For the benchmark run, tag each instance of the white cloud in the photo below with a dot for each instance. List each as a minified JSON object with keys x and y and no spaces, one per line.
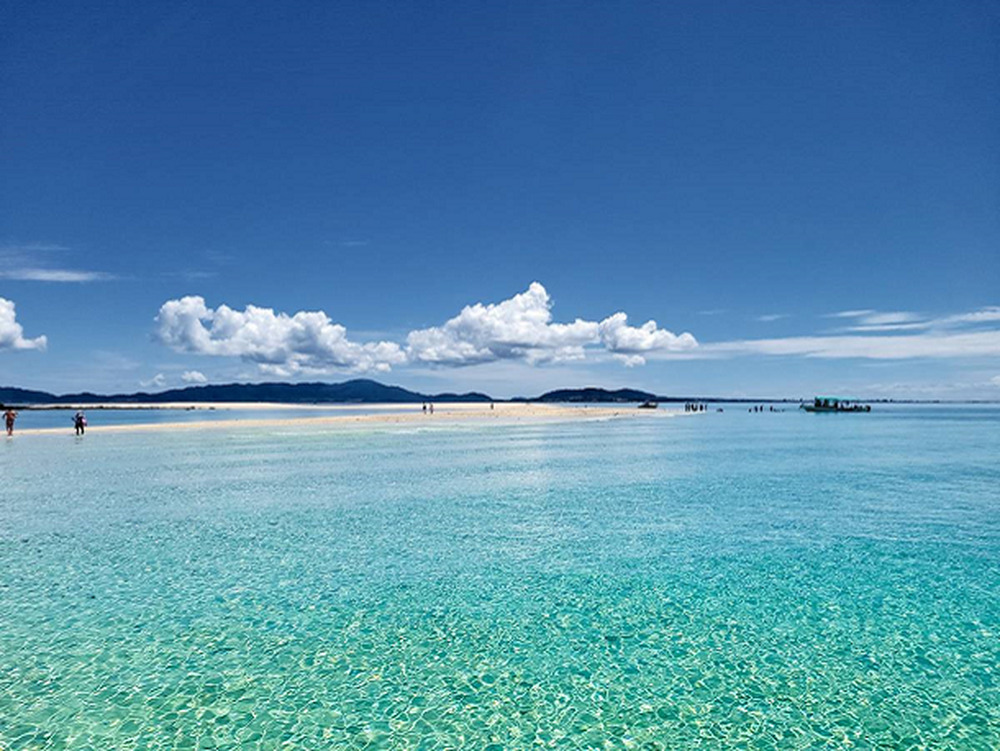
{"x":12,"y":333}
{"x":995,"y":380}
{"x":280,"y":344}
{"x":21,"y":248}
{"x":630,"y":361}
{"x":768,"y":318}
{"x":55,"y":275}
{"x":889,"y":319}
{"x":519,"y":328}
{"x":850,"y":314}
{"x":927,"y":344}
{"x":193,"y":376}
{"x":873,"y":321}
{"x":886,"y":327}
{"x":630,"y":343}
{"x":156,"y":382}
{"x":989,"y":314}
{"x":32,"y":262}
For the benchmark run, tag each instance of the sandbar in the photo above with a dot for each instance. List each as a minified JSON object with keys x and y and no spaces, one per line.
{"x":384,"y":414}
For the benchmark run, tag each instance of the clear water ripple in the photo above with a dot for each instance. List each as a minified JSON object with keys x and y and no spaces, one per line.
{"x":758,"y":581}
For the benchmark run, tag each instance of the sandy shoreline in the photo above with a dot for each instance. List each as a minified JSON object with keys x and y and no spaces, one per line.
{"x":243,"y":406}
{"x":395,"y":414}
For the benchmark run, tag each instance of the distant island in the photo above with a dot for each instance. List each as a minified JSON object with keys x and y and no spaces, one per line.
{"x":356,"y":391}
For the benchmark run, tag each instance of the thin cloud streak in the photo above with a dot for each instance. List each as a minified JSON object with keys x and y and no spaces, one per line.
{"x":849,"y":314}
{"x":878,"y":336}
{"x":905,"y":321}
{"x":16,"y":248}
{"x":71,"y":276}
{"x":29,"y":262}
{"x":964,"y":344}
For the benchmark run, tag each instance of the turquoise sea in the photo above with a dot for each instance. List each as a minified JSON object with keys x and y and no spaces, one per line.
{"x":721,"y":580}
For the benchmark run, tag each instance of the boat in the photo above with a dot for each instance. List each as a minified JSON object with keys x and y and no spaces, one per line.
{"x":835,"y":404}
{"x":648,"y":405}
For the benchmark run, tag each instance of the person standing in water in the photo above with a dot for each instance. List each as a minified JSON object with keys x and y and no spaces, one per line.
{"x":9,"y":416}
{"x":80,"y":422}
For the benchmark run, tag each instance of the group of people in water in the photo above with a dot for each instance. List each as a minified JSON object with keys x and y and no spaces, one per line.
{"x":429,"y":407}
{"x":10,"y":416}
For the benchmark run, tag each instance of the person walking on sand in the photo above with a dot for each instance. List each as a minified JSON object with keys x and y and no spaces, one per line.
{"x":80,"y":422}
{"x":9,"y":416}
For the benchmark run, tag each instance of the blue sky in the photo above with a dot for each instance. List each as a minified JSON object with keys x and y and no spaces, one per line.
{"x":365,"y":174}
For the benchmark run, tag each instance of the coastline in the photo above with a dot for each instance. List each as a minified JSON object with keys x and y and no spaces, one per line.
{"x":392,"y":414}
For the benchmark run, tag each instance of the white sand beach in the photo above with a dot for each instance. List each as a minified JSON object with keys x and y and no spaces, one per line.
{"x":385,"y":414}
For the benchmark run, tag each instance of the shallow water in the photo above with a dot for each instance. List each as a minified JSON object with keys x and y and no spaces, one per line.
{"x":772,"y":580}
{"x":63,"y":418}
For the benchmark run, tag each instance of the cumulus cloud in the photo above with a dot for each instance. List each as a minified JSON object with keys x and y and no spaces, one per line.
{"x":193,"y":376}
{"x":12,"y":333}
{"x":280,"y":344}
{"x":519,"y":328}
{"x":630,"y":344}
{"x":995,"y":380}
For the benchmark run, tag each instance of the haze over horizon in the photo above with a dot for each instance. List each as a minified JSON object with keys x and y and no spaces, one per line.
{"x":712,"y":199}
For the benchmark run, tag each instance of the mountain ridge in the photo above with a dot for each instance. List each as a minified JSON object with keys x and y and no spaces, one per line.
{"x":356,"y":391}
